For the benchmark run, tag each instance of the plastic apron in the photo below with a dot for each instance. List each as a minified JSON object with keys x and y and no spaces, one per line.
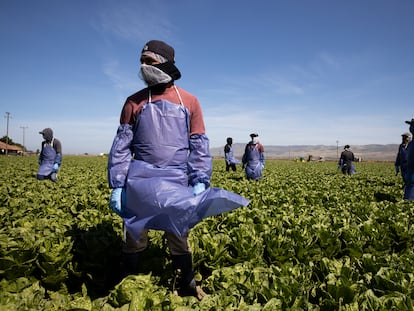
{"x":230,"y":159}
{"x":48,"y":156}
{"x":254,"y":167}
{"x":157,"y":192}
{"x":409,"y":186}
{"x":403,"y":153}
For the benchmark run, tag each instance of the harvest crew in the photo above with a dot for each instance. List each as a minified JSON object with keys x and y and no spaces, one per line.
{"x":409,"y":186}
{"x":253,"y":158}
{"x":50,"y":157}
{"x":160,"y":167}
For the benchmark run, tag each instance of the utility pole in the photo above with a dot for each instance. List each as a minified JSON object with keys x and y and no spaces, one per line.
{"x":7,"y":116}
{"x":24,"y":128}
{"x":337,"y":150}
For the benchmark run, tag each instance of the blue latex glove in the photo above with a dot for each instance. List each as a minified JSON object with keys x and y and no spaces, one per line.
{"x":55,"y":167}
{"x":198,"y":188}
{"x":117,"y":200}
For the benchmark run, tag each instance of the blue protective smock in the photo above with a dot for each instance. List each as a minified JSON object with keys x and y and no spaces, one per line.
{"x":409,"y":186}
{"x":254,"y":160}
{"x":229,"y":157}
{"x":47,"y":160}
{"x":158,"y":163}
{"x":402,"y":161}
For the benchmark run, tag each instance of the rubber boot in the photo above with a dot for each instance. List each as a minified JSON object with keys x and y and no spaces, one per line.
{"x":130,"y":263}
{"x":53,"y":177}
{"x":183,"y":267}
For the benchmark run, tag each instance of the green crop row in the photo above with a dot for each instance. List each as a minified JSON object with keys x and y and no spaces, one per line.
{"x":310,"y":239}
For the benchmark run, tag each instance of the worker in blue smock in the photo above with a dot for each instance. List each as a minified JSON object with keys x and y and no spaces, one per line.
{"x":409,"y":186}
{"x":231,"y":161}
{"x":159,"y":167}
{"x":253,"y":158}
{"x":50,"y":157}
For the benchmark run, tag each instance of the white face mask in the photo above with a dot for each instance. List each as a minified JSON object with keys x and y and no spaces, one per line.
{"x":152,"y":75}
{"x":256,"y":140}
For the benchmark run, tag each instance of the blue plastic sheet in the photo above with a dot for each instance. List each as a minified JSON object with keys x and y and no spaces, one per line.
{"x":154,"y":203}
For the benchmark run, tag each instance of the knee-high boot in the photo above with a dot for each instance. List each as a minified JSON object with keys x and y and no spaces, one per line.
{"x":183,"y":267}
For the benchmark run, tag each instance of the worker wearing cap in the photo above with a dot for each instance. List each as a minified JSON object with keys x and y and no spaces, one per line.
{"x":345,"y":161}
{"x":50,"y":157}
{"x":401,"y":162}
{"x":409,"y":186}
{"x":159,"y":167}
{"x":253,"y":158}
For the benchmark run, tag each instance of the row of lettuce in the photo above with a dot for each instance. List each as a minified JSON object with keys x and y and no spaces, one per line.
{"x":311,"y":239}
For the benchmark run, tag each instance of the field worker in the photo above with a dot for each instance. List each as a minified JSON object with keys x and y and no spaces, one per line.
{"x":50,"y":157}
{"x":159,"y":167}
{"x":253,"y":158}
{"x":345,"y":161}
{"x":231,"y":161}
{"x":409,"y":186}
{"x":401,"y":161}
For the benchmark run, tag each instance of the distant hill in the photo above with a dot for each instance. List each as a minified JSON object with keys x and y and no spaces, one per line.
{"x":329,"y":153}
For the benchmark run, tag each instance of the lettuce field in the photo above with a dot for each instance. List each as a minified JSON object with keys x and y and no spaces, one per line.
{"x":310,"y":239}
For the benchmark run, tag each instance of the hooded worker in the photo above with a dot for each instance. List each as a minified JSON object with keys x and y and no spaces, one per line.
{"x":50,"y":157}
{"x":229,"y":157}
{"x":159,"y":166}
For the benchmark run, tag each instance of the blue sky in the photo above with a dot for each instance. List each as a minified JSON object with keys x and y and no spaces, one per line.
{"x":298,"y":72}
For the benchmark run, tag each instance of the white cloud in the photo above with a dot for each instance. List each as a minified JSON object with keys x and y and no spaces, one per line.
{"x":122,"y":80}
{"x":135,"y":21}
{"x":329,"y":59}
